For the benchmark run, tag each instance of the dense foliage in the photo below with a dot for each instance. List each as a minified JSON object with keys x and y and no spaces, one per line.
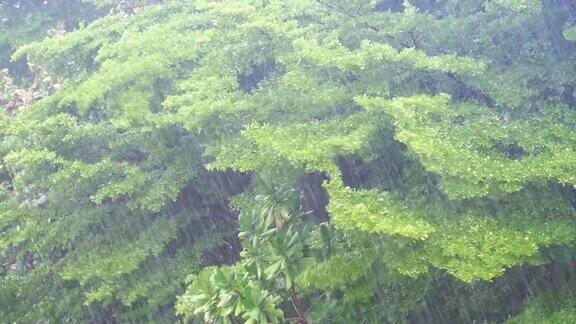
{"x":288,"y":160}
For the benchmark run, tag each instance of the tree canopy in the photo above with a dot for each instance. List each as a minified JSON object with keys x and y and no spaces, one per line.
{"x":265,"y":161}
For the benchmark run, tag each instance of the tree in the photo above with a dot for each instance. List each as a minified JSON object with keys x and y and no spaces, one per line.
{"x":311,"y":160}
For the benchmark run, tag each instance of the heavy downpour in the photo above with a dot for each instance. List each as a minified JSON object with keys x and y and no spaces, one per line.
{"x":288,"y":161}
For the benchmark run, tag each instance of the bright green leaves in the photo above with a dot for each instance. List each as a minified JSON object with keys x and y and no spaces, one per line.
{"x":161,"y":276}
{"x":314,"y":146}
{"x":371,"y":211}
{"x":108,"y":265}
{"x":210,"y":94}
{"x":72,"y":53}
{"x":332,"y":53}
{"x":150,"y":190}
{"x":338,"y":270}
{"x":218,"y":293}
{"x":471,"y":246}
{"x":476,"y":248}
{"x":135,"y":172}
{"x":478,"y":151}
